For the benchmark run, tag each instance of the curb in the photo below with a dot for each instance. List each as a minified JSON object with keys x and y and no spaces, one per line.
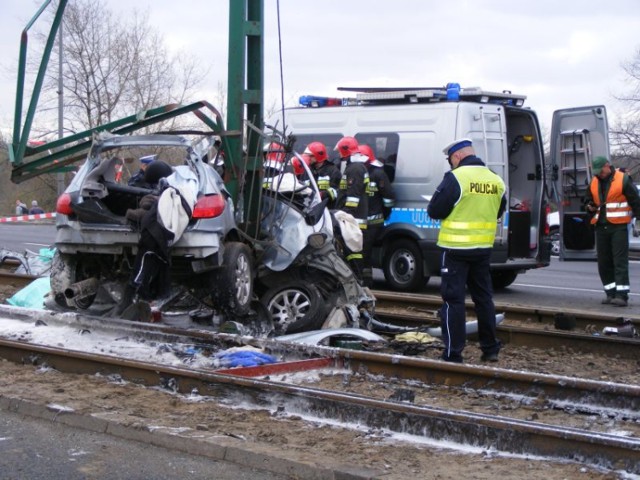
{"x":192,"y":442}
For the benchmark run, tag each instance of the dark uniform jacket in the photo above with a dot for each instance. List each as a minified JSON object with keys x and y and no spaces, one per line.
{"x":381,"y":195}
{"x":327,"y":176}
{"x":353,"y":197}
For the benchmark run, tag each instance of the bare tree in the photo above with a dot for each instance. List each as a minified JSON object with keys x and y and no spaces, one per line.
{"x":626,"y":131}
{"x":114,"y":66}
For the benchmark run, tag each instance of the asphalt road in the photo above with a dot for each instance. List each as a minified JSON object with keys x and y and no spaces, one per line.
{"x":37,"y":449}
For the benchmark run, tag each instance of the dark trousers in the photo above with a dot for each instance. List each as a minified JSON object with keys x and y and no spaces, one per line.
{"x":462,"y":269}
{"x":612,"y":245}
{"x":368,"y":239}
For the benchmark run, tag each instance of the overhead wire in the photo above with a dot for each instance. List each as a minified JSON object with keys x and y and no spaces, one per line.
{"x":280,"y":61}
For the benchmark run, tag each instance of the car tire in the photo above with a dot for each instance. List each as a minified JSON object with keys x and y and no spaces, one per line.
{"x":63,"y":274}
{"x":232,"y":283}
{"x":503,"y":278}
{"x":294,"y":307}
{"x":403,"y":266}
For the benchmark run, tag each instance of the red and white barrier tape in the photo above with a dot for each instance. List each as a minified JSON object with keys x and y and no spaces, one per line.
{"x":26,"y":218}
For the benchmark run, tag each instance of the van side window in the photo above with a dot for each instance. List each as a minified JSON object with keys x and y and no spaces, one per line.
{"x":385,"y":146}
{"x":328,"y":139}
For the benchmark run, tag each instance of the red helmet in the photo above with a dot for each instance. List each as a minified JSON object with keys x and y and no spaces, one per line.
{"x":318,"y":150}
{"x":368,"y":151}
{"x":346,"y":146}
{"x":274,"y":152}
{"x":298,"y":169}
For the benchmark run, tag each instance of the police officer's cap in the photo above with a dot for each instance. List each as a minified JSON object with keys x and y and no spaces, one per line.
{"x":456,"y":145}
{"x":148,"y":159}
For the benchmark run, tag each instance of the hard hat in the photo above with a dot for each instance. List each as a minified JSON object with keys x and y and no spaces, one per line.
{"x":274,"y":152}
{"x":318,"y":150}
{"x":298,"y":169}
{"x":368,"y":152}
{"x":346,"y":146}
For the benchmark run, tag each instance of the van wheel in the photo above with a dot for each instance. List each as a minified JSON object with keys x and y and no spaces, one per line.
{"x":402,"y":266}
{"x":294,"y":307}
{"x":232,"y":283}
{"x":503,"y":278}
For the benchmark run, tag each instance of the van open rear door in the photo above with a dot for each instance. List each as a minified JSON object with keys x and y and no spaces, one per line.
{"x":578,"y":135}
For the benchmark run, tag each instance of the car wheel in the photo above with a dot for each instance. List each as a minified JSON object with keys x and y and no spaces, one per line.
{"x":294,"y":307}
{"x":402,"y":266}
{"x":63,"y":274}
{"x":232,"y":283}
{"x":503,"y":278}
{"x":554,"y":238}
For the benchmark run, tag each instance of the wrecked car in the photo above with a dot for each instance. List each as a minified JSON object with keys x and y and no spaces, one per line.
{"x":97,"y":239}
{"x":302,"y":279}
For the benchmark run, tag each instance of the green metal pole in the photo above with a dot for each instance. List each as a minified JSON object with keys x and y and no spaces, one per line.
{"x":20,"y":144}
{"x":245,"y":96}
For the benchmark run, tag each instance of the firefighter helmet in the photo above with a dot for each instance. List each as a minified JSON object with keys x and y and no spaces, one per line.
{"x":274,"y":152}
{"x":346,"y":146}
{"x":368,"y":152}
{"x":298,"y":169}
{"x":318,"y":150}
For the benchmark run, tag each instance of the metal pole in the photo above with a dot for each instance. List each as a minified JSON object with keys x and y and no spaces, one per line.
{"x":60,"y":105}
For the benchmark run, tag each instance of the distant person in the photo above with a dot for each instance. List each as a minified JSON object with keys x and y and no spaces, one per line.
{"x":21,"y":208}
{"x":35,"y":209}
{"x":468,"y":201}
{"x":613,"y":200}
{"x":137,"y":180}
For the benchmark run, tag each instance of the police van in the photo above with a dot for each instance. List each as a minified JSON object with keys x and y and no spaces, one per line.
{"x":407,"y":130}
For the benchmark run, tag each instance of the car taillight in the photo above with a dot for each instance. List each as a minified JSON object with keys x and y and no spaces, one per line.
{"x":209,"y":206}
{"x":63,"y":205}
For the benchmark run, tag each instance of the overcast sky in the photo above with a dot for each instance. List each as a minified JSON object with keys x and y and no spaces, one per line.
{"x":560,"y":53}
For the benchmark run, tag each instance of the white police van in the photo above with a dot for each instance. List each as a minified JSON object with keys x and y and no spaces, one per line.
{"x":407,"y":130}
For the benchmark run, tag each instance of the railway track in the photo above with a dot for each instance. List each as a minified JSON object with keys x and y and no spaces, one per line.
{"x":538,"y":414}
{"x":523,"y":325}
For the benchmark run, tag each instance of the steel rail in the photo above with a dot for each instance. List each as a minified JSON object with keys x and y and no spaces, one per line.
{"x":481,"y":430}
{"x":429,"y":304}
{"x":552,"y":387}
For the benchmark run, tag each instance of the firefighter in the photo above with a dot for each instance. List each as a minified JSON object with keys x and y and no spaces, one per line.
{"x":326,"y":174}
{"x":468,"y":201}
{"x":381,"y":201}
{"x":613,"y":200}
{"x":352,"y":194}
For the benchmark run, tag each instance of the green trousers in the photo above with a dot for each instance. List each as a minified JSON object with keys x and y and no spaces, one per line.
{"x":612,"y":244}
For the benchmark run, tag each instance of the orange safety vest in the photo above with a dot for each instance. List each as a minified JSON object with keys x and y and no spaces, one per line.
{"x":617,"y":208}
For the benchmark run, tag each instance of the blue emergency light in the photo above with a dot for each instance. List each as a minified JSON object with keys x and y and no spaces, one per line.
{"x":314,"y":101}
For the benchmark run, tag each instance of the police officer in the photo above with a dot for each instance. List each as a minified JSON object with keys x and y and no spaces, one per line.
{"x":326,"y":174}
{"x":137,"y":179}
{"x":352,"y":194}
{"x":381,"y":201}
{"x":613,"y":200}
{"x":469,"y":201}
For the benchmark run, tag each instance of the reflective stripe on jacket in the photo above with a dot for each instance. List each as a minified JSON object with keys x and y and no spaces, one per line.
{"x":472,"y":222}
{"x":616,"y":207}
